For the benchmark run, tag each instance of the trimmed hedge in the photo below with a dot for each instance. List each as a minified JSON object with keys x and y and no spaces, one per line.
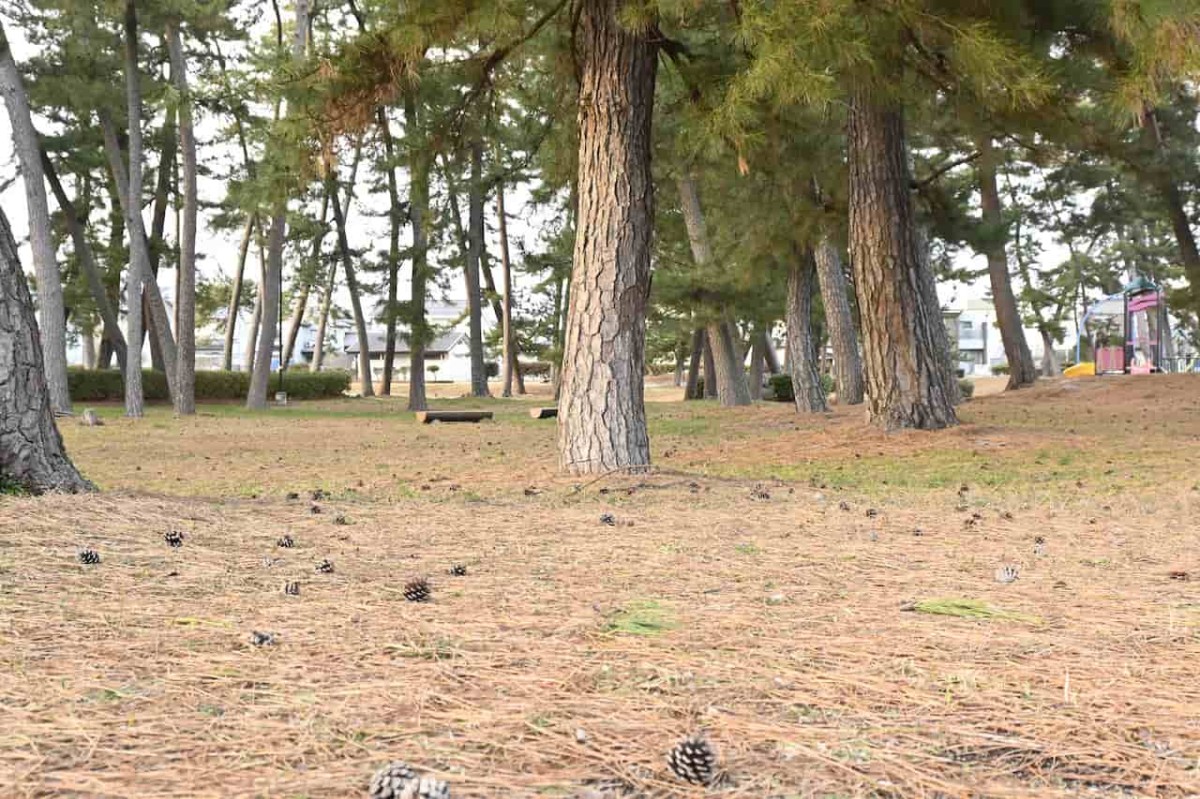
{"x":966,"y":388}
{"x":781,"y":387}
{"x":99,"y":385}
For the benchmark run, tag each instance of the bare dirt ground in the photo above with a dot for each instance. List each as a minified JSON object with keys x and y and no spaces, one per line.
{"x":775,"y":583}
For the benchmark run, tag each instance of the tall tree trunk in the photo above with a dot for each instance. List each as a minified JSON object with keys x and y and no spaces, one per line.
{"x":272,"y":289}
{"x":602,"y":413}
{"x":139,"y":261}
{"x":1021,"y":369}
{"x":395,"y":220}
{"x":318,"y":360}
{"x":731,"y":385}
{"x":163,"y":348}
{"x":185,"y":300}
{"x":1050,"y":367}
{"x":360,"y":321}
{"x":556,"y":336}
{"x":418,"y":327}
{"x":87,"y":343}
{"x":235,"y":294}
{"x":87,"y":260}
{"x":691,"y":389}
{"x":906,"y":372}
{"x":847,"y":365}
{"x":769,"y":355}
{"x":479,"y":382}
{"x":45,"y":262}
{"x":31,"y":450}
{"x":802,"y":347}
{"x":304,"y":288}
{"x":710,"y":369}
{"x":506,"y":328}
{"x":757,"y":359}
{"x":1189,"y":254}
{"x":250,"y":346}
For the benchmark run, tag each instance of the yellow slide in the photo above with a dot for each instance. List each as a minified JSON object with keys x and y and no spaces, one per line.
{"x":1080,"y":370}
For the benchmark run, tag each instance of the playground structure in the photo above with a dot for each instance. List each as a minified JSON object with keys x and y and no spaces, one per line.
{"x":1129,"y":332}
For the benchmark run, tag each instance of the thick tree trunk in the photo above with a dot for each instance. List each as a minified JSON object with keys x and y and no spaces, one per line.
{"x":801,"y":345}
{"x":710,"y":369}
{"x":31,"y":450}
{"x":235,"y":295}
{"x":602,"y":413}
{"x":757,"y":360}
{"x":318,"y":360}
{"x":506,"y":328}
{"x":45,"y":262}
{"x":906,"y":371}
{"x":691,"y":389}
{"x":479,"y":383}
{"x":1050,"y":365}
{"x":185,"y":300}
{"x":418,"y":326}
{"x":272,"y":289}
{"x":360,"y":320}
{"x":395,"y":220}
{"x":1021,"y":369}
{"x":87,"y":261}
{"x":847,"y":365}
{"x":731,"y":385}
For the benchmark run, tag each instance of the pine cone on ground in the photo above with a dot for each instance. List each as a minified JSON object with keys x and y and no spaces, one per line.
{"x":693,"y":760}
{"x":417,"y":590}
{"x":89,"y":557}
{"x":390,"y":780}
{"x":425,"y":788}
{"x":262,"y":639}
{"x":173,"y":538}
{"x":285,"y":542}
{"x":291,"y":588}
{"x":458,"y":570}
{"x":324,"y":567}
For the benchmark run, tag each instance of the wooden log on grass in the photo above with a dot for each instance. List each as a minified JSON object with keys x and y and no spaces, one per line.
{"x":543,"y":413}
{"x":429,"y":417}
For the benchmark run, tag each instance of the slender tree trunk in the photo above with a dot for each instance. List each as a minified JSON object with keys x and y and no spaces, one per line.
{"x":31,"y":450}
{"x":163,"y":348}
{"x":1050,"y":366}
{"x":87,"y":261}
{"x":906,"y":371}
{"x":139,"y":261}
{"x":730,"y":375}
{"x":710,"y":369}
{"x":847,"y":365}
{"x":479,"y":382}
{"x":691,"y":389}
{"x":602,"y":413}
{"x":185,"y":300}
{"x":45,"y":263}
{"x":1021,"y":369}
{"x":1189,"y":254}
{"x":360,"y":321}
{"x":87,"y":343}
{"x":769,"y":354}
{"x":418,"y":327}
{"x":395,"y":220}
{"x":235,"y":295}
{"x":250,"y":347}
{"x":304,"y":289}
{"x":802,"y":346}
{"x":757,"y":360}
{"x":318,"y":360}
{"x":506,"y":328}
{"x":556,"y":336}
{"x":272,"y":288}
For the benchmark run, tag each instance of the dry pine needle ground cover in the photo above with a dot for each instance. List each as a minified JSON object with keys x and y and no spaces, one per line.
{"x":780,"y":583}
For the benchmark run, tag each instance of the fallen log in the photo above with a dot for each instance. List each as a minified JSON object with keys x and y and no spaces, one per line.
{"x":429,"y":417}
{"x":543,"y":413}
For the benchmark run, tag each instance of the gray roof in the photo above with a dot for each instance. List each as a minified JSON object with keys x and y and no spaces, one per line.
{"x":378,"y":341}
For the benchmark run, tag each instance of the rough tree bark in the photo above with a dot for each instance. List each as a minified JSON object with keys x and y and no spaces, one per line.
{"x":360,"y":321}
{"x":506,"y":327}
{"x":731,"y":385}
{"x":757,"y":361}
{"x":185,"y":302}
{"x":802,"y":347}
{"x":906,"y":372}
{"x":602,"y":413}
{"x":1050,"y":367}
{"x":691,"y":389}
{"x":31,"y":450}
{"x":710,"y":369}
{"x":235,"y":294}
{"x":479,"y":382}
{"x":139,"y":261}
{"x":87,"y":260}
{"x":847,"y":364}
{"x":45,"y":262}
{"x":1021,"y":369}
{"x":418,"y":327}
{"x":769,"y":353}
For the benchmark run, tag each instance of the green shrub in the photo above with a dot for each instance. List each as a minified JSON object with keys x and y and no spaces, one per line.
{"x":966,"y":388}
{"x":535,"y":368}
{"x":1000,"y":369}
{"x":100,"y":385}
{"x":781,"y":387}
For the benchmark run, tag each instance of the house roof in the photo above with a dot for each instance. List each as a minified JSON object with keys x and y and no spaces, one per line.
{"x":442,"y":343}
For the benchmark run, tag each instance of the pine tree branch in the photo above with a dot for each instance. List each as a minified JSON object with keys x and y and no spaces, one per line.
{"x":937,"y":173}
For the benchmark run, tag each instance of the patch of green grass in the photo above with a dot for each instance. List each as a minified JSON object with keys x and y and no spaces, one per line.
{"x":643,"y":617}
{"x":10,"y":487}
{"x":970,"y":609}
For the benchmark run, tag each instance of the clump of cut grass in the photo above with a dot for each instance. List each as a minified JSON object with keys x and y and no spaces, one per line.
{"x":644,"y":617}
{"x":968,"y":609}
